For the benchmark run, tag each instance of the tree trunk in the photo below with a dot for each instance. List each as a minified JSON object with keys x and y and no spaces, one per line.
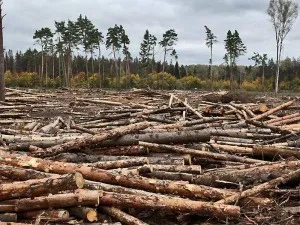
{"x":122,"y":216}
{"x":79,"y":198}
{"x":180,"y":137}
{"x":95,"y":139}
{"x":92,"y":59}
{"x":33,"y":188}
{"x":99,"y":69}
{"x":87,"y":70}
{"x":164,"y":64}
{"x":42,"y":68}
{"x":169,"y":204}
{"x":263,"y":77}
{"x":2,"y":82}
{"x":278,"y":51}
{"x":46,"y":70}
{"x":85,"y":213}
{"x":211,"y":71}
{"x":91,"y":173}
{"x":54,"y":216}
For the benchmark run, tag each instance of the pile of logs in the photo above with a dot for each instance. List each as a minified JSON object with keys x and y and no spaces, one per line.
{"x":145,"y":157}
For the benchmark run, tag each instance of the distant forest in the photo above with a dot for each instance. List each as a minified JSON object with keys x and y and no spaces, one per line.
{"x":71,"y":56}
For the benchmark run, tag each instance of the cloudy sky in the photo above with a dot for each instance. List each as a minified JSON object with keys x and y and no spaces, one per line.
{"x":187,"y":17}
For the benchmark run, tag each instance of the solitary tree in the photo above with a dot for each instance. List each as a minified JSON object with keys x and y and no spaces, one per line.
{"x":211,"y":39}
{"x":86,"y":31}
{"x":169,"y":40}
{"x":234,"y":48}
{"x":145,"y":50}
{"x":283,"y":13}
{"x":69,"y":39}
{"x":2,"y":85}
{"x":260,"y":60}
{"x":43,"y":38}
{"x":114,"y":42}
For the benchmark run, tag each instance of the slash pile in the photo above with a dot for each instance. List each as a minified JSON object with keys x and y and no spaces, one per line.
{"x":146,"y":157}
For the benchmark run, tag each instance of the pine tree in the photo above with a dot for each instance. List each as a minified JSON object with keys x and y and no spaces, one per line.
{"x":114,"y":42}
{"x":167,"y":43}
{"x":211,"y":39}
{"x":2,"y":84}
{"x":234,"y":48}
{"x":43,"y":38}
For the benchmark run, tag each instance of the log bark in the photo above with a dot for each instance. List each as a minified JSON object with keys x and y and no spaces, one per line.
{"x":271,"y":111}
{"x":193,"y":169}
{"x":204,"y":154}
{"x":80,"y":197}
{"x":168,"y":205}
{"x":279,"y":119}
{"x":294,"y":175}
{"x":33,"y":188}
{"x":54,"y":215}
{"x":175,"y":188}
{"x":86,"y":213}
{"x":122,"y":216}
{"x":120,"y":163}
{"x":162,"y":175}
{"x":273,"y":151}
{"x":247,"y":176}
{"x":91,"y":141}
{"x":8,"y":217}
{"x":180,"y":137}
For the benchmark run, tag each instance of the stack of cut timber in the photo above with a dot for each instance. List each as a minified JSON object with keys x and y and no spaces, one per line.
{"x":147,"y":157}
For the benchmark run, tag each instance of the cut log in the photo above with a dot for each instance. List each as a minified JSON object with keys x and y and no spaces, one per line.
{"x":120,"y":163}
{"x":33,"y":188}
{"x":91,"y":141}
{"x":204,"y":154}
{"x":188,"y":107}
{"x":99,"y":101}
{"x":180,"y":137}
{"x":247,"y":176}
{"x":56,"y":216}
{"x":294,"y":175}
{"x":271,"y":111}
{"x":85,"y":213}
{"x":194,"y":169}
{"x":274,"y":151}
{"x":80,"y":197}
{"x":168,"y":205}
{"x":175,"y":188}
{"x":162,"y":175}
{"x":122,"y":216}
{"x":8,"y":217}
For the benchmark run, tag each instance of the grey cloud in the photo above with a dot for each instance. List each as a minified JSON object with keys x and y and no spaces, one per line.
{"x":187,"y":17}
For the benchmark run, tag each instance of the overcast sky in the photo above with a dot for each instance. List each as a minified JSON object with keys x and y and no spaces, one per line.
{"x":187,"y":17}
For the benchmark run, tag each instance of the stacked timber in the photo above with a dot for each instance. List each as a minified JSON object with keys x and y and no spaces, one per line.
{"x":147,"y":157}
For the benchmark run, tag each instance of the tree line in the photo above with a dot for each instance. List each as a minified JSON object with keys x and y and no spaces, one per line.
{"x":75,"y":46}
